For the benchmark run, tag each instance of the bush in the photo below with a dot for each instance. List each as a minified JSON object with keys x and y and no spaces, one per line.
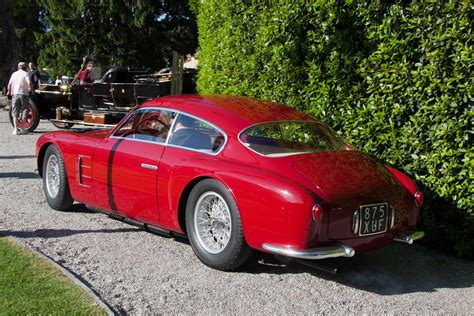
{"x":393,"y":77}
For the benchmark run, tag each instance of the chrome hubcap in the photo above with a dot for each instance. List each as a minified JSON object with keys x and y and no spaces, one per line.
{"x":52,"y":176}
{"x":212,"y":222}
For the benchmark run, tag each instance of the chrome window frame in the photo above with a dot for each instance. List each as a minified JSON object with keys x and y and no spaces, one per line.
{"x":166,"y":142}
{"x":193,"y":149}
{"x":285,"y":121}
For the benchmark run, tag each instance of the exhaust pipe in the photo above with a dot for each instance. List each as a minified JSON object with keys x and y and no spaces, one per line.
{"x":409,"y":238}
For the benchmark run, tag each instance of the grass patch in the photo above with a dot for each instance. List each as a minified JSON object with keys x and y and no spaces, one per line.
{"x":31,"y":285}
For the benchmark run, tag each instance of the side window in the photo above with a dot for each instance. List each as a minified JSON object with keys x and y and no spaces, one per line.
{"x":147,"y":124}
{"x":192,"y":133}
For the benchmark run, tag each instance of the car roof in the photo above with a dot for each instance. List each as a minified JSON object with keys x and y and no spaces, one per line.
{"x":230,"y":112}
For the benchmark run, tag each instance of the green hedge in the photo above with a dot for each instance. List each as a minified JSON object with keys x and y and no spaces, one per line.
{"x":395,"y":78}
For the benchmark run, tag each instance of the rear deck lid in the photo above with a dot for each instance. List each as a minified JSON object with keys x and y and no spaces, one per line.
{"x":346,"y":173}
{"x":349,"y":180}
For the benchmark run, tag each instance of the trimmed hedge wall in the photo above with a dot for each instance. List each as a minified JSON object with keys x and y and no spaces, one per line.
{"x":395,"y":78}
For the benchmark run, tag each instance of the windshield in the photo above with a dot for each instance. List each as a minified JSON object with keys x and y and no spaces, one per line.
{"x":276,"y":139}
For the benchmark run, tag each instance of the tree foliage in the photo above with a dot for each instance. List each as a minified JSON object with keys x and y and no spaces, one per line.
{"x":27,"y":15}
{"x":395,"y":78}
{"x":18,"y":26}
{"x":115,"y":33}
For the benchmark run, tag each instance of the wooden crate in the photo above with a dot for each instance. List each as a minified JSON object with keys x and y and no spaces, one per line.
{"x":98,"y":118}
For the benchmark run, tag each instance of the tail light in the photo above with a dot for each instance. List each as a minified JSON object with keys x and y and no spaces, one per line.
{"x":418,"y":199}
{"x":317,"y":212}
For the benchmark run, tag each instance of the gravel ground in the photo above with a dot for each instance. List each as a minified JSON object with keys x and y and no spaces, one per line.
{"x":139,"y":273}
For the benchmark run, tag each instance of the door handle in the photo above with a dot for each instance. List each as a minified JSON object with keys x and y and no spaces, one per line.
{"x":148,"y":166}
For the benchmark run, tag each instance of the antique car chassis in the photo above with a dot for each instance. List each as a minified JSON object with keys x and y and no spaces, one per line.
{"x":103,"y":103}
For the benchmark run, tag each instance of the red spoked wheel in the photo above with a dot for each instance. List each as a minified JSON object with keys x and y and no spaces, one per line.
{"x":28,"y":120}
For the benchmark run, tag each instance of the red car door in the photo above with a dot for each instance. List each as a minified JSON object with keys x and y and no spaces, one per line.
{"x":125,"y":166}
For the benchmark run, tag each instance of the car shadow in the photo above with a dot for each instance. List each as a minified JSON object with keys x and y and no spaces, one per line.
{"x":79,"y":208}
{"x":58,"y":233}
{"x":17,"y":157}
{"x":38,"y":132}
{"x":393,"y":270}
{"x":19,"y":175}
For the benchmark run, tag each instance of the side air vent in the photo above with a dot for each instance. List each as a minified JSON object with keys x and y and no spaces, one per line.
{"x":84,"y":170}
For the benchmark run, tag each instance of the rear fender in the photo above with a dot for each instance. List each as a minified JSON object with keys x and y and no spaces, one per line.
{"x":403,"y":179}
{"x":411,"y":187}
{"x":40,"y":157}
{"x":273,"y":209}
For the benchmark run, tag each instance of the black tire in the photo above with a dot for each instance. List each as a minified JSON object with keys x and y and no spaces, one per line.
{"x":33,"y":117}
{"x":236,"y":251}
{"x":61,"y":199}
{"x":62,"y":125}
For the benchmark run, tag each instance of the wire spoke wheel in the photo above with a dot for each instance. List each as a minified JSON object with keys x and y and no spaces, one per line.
{"x":212,"y":222}
{"x":55,"y":182}
{"x":52,"y":176}
{"x":214,"y":226}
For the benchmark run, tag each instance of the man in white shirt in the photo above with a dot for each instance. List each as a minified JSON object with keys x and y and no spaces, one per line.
{"x":18,"y":88}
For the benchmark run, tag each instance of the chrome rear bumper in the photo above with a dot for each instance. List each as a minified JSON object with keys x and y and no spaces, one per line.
{"x":337,"y":250}
{"x":409,"y":238}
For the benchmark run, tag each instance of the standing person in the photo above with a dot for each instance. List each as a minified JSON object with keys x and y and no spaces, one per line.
{"x":33,"y":75}
{"x":18,"y":88}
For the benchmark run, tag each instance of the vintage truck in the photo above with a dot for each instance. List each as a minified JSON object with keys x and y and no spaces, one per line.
{"x":103,"y":103}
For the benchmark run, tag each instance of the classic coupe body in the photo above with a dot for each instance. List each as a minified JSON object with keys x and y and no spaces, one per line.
{"x":233,"y":174}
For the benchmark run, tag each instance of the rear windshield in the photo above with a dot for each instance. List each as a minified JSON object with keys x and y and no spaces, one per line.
{"x":276,"y":139}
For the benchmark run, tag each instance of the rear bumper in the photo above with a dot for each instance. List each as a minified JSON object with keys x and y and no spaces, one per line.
{"x":409,"y":238}
{"x":333,"y":251}
{"x":337,"y":250}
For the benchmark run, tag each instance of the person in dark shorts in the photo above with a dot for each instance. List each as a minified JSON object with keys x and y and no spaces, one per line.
{"x":18,"y":88}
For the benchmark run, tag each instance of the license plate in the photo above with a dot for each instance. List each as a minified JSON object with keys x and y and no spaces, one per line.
{"x":373,"y":219}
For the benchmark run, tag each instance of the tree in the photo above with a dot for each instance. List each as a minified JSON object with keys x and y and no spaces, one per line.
{"x":18,"y":26}
{"x":28,"y":25}
{"x":116,"y":33}
{"x":7,"y":42}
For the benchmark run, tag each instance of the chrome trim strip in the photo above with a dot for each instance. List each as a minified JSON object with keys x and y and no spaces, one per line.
{"x":410,"y":238}
{"x":50,"y":92}
{"x":108,"y":126}
{"x":139,"y":140}
{"x":392,"y":216}
{"x":171,"y":130}
{"x":355,"y":222}
{"x":338,"y":250}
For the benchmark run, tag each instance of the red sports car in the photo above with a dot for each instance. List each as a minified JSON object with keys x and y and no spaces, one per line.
{"x":233,"y":174}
